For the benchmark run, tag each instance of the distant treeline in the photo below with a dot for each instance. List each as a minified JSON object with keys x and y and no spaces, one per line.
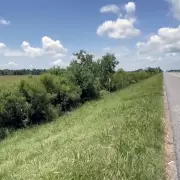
{"x":41,"y":71}
{"x":149,"y":69}
{"x":40,"y":99}
{"x":22,"y":72}
{"x":174,"y":70}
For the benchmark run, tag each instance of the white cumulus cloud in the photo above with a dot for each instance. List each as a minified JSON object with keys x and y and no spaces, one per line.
{"x":49,"y":47}
{"x":31,"y":51}
{"x":4,"y":22}
{"x":52,"y":46}
{"x":57,"y":62}
{"x":14,"y":53}
{"x":130,"y":7}
{"x":58,"y":55}
{"x":60,"y":62}
{"x":153,"y":59}
{"x":167,"y":40}
{"x":2,"y":45}
{"x":11,"y":63}
{"x":121,"y":28}
{"x":111,"y":8}
{"x":175,"y":8}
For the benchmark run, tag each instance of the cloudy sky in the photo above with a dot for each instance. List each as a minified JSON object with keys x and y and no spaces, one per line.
{"x":43,"y":33}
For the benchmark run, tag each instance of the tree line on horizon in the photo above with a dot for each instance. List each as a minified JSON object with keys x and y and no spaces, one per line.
{"x":4,"y":72}
{"x":174,"y":70}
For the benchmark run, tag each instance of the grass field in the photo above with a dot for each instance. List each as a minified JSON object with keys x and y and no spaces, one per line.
{"x":119,"y":137}
{"x":13,"y":78}
{"x":9,"y":81}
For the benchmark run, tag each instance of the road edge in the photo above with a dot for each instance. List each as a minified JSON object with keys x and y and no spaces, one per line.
{"x":170,"y":159}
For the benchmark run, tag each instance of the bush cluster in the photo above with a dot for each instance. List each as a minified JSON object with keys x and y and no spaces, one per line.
{"x":121,"y":79}
{"x":41,"y":99}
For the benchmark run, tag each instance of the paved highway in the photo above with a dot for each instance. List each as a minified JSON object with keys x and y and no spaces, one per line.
{"x":172,"y":85}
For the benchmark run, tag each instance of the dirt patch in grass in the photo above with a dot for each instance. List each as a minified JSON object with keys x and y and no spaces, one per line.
{"x":170,"y":160}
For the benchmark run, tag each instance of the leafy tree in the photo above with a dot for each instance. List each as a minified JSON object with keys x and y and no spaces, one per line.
{"x":84,"y":71}
{"x":107,"y":66}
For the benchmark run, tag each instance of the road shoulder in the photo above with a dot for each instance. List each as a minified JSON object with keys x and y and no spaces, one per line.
{"x":170,"y":160}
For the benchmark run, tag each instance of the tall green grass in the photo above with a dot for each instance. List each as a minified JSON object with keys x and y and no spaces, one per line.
{"x":119,"y":137}
{"x":10,"y":81}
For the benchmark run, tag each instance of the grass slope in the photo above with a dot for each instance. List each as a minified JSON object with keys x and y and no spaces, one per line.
{"x":117,"y":137}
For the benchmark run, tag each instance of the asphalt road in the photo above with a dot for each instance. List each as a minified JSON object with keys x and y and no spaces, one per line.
{"x":172,"y":85}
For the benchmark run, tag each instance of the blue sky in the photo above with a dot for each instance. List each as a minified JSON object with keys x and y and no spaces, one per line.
{"x":43,"y":33}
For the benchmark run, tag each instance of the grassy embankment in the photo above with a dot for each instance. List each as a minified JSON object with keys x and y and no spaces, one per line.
{"x":118,"y":137}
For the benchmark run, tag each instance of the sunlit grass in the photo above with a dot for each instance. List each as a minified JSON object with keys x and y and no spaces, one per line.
{"x":119,"y":137}
{"x":11,"y":81}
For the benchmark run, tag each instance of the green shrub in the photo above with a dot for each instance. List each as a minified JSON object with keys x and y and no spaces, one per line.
{"x":13,"y":110}
{"x":3,"y":133}
{"x":121,"y":79}
{"x":39,"y":101}
{"x":64,"y":93}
